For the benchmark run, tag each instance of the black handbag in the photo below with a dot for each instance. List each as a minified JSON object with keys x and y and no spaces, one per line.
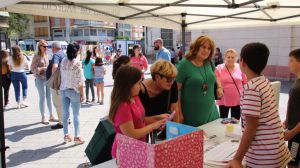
{"x":99,"y":148}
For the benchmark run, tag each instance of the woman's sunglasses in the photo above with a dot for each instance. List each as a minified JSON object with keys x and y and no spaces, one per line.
{"x":44,"y":46}
{"x":169,"y":79}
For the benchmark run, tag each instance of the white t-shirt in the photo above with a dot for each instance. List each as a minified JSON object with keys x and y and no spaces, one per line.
{"x":20,"y":68}
{"x":268,"y":148}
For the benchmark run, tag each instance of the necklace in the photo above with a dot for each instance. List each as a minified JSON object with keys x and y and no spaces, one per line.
{"x":204,"y":85}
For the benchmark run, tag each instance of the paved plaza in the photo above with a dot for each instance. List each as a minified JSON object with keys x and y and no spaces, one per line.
{"x":33,"y":144}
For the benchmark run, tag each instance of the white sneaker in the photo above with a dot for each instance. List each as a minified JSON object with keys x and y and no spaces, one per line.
{"x":24,"y":104}
{"x":18,"y":105}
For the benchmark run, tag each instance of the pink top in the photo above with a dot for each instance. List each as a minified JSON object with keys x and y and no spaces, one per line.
{"x":139,"y":62}
{"x":128,"y":111}
{"x":231,"y":96}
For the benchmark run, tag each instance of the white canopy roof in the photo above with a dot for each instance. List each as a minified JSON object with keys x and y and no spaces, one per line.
{"x":199,"y":14}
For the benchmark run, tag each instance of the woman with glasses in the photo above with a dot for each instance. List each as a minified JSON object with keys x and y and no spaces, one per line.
{"x":159,"y":95}
{"x":38,"y":67}
{"x":196,"y":80}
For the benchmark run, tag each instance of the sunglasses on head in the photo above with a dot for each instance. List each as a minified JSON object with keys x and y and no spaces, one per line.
{"x":169,"y":79}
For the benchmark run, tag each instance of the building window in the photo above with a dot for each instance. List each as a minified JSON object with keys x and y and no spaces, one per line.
{"x":93,"y":32}
{"x":41,"y":31}
{"x":38,"y":19}
{"x":120,"y":33}
{"x":101,"y":32}
{"x":127,"y":26}
{"x":86,"y":32}
{"x":58,"y":33}
{"x":56,"y":22}
{"x":77,"y":32}
{"x":167,"y":36}
{"x":110,"y":32}
{"x":128,"y":34}
{"x":136,"y":35}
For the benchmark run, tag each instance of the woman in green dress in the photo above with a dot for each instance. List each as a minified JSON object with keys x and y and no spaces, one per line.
{"x":196,"y":79}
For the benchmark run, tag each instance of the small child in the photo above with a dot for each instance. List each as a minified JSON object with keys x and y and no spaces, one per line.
{"x":263,"y":140}
{"x":126,"y":110}
{"x":293,"y":111}
{"x":99,"y":72}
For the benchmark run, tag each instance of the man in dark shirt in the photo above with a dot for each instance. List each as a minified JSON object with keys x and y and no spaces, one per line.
{"x":293,"y":111}
{"x":58,"y":55}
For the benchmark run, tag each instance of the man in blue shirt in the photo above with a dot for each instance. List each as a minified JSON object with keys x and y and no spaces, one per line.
{"x":58,"y":55}
{"x":162,"y":52}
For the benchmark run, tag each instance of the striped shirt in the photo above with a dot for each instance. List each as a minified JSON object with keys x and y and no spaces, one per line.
{"x":268,"y":148}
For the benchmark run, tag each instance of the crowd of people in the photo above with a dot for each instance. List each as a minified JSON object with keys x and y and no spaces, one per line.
{"x":193,"y":88}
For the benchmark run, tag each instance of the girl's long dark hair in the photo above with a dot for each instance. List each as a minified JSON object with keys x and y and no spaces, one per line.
{"x":125,"y":78}
{"x":94,"y":51}
{"x":99,"y":61}
{"x":88,"y":57}
{"x":122,"y":60}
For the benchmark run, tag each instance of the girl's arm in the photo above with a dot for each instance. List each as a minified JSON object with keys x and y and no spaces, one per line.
{"x":129,"y":130}
{"x":247,"y":138}
{"x":178,"y":116}
{"x":291,"y":133}
{"x":93,"y":68}
{"x":179,"y":85}
{"x":152,"y":119}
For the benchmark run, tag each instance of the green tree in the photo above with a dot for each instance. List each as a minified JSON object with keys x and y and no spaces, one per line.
{"x":18,"y":24}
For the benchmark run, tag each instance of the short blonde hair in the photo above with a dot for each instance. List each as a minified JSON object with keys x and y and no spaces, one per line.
{"x":230,"y":50}
{"x":163,"y":67}
{"x":195,"y":47}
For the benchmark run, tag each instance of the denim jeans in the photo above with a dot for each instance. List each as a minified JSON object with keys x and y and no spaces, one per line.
{"x":70,"y":97}
{"x":89,"y":83}
{"x":44,"y":94}
{"x":16,"y":79}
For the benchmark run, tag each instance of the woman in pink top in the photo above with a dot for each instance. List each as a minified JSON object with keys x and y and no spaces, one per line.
{"x":232,"y":80}
{"x":138,"y":60}
{"x":126,"y":110}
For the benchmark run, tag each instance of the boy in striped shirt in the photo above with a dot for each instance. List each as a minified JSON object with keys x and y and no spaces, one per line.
{"x":293,"y":111}
{"x":262,"y":142}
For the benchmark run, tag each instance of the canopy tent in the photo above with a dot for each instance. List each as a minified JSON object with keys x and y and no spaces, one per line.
{"x":172,"y":14}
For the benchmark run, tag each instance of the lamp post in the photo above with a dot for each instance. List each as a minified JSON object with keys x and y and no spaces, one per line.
{"x":183,"y":26}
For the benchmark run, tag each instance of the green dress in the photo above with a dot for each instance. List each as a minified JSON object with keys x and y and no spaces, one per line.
{"x":198,"y":108}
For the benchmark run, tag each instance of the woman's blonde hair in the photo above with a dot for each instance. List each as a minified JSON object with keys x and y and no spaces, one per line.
{"x":231,"y":50}
{"x":41,"y":42}
{"x":17,"y":55}
{"x":163,"y":67}
{"x":195,"y":47}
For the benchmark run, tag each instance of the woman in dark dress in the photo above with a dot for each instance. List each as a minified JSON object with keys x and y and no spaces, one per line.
{"x":159,"y":95}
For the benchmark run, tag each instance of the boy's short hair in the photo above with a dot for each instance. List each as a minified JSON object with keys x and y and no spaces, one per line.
{"x":296,"y":54}
{"x":255,"y":55}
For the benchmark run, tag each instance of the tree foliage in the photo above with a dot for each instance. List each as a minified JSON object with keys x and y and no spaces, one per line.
{"x":18,"y":24}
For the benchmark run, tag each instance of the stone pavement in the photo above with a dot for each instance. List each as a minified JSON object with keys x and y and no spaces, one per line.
{"x":33,"y":144}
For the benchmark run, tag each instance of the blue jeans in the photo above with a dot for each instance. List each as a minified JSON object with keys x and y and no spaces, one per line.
{"x":44,"y":93}
{"x":70,"y":97}
{"x":16,"y":79}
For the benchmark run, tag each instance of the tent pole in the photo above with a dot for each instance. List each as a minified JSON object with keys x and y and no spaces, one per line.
{"x":183,"y":26}
{"x":2,"y":134}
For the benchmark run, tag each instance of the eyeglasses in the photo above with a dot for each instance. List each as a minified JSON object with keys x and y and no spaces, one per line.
{"x":168,"y":79}
{"x":44,"y":46}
